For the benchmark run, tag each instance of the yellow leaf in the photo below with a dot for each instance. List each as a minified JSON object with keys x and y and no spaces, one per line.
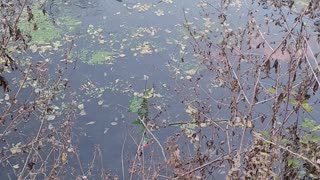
{"x":272,"y":90}
{"x":64,"y":157}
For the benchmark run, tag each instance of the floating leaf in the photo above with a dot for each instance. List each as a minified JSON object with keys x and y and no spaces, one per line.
{"x":293,"y":102}
{"x":83,"y":113}
{"x":50,"y":117}
{"x":316,"y":128}
{"x":188,"y":129}
{"x":159,"y":12}
{"x":91,"y":122}
{"x":203,"y":125}
{"x":50,"y":126}
{"x":145,"y":48}
{"x":64,"y":157}
{"x":99,"y":30}
{"x":191,"y":110}
{"x":188,"y":77}
{"x":113,"y":123}
{"x":135,"y":104}
{"x":6,"y":97}
{"x":167,"y":1}
{"x":100,"y":102}
{"x":191,"y":72}
{"x":148,"y":93}
{"x":16,"y":148}
{"x":80,"y":106}
{"x":306,"y":106}
{"x":142,"y":7}
{"x":33,"y":48}
{"x":272,"y":90}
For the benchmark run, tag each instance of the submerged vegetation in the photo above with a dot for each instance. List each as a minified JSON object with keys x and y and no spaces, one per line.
{"x":227,"y":95}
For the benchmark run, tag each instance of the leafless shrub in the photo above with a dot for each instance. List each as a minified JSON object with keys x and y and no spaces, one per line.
{"x":39,"y":111}
{"x":270,"y":84}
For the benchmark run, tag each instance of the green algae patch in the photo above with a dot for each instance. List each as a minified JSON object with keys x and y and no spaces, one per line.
{"x":94,"y":57}
{"x":40,"y":28}
{"x":70,"y":23}
{"x":101,"y":57}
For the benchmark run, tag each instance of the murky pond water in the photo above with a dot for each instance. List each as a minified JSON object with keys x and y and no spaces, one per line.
{"x":144,"y":34}
{"x":161,"y":63}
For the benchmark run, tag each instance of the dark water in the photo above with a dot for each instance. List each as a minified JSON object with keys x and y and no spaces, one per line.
{"x":127,"y":73}
{"x":151,"y":49}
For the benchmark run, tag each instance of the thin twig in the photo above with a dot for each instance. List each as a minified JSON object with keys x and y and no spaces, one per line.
{"x":203,"y":166}
{"x":2,"y":119}
{"x":154,"y":137}
{"x":314,"y":58}
{"x":285,"y":37}
{"x":25,"y":165}
{"x":285,"y":148}
{"x":139,"y":146}
{"x":36,"y":139}
{"x":122,"y":154}
{"x":20,"y":13}
{"x":79,"y":162}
